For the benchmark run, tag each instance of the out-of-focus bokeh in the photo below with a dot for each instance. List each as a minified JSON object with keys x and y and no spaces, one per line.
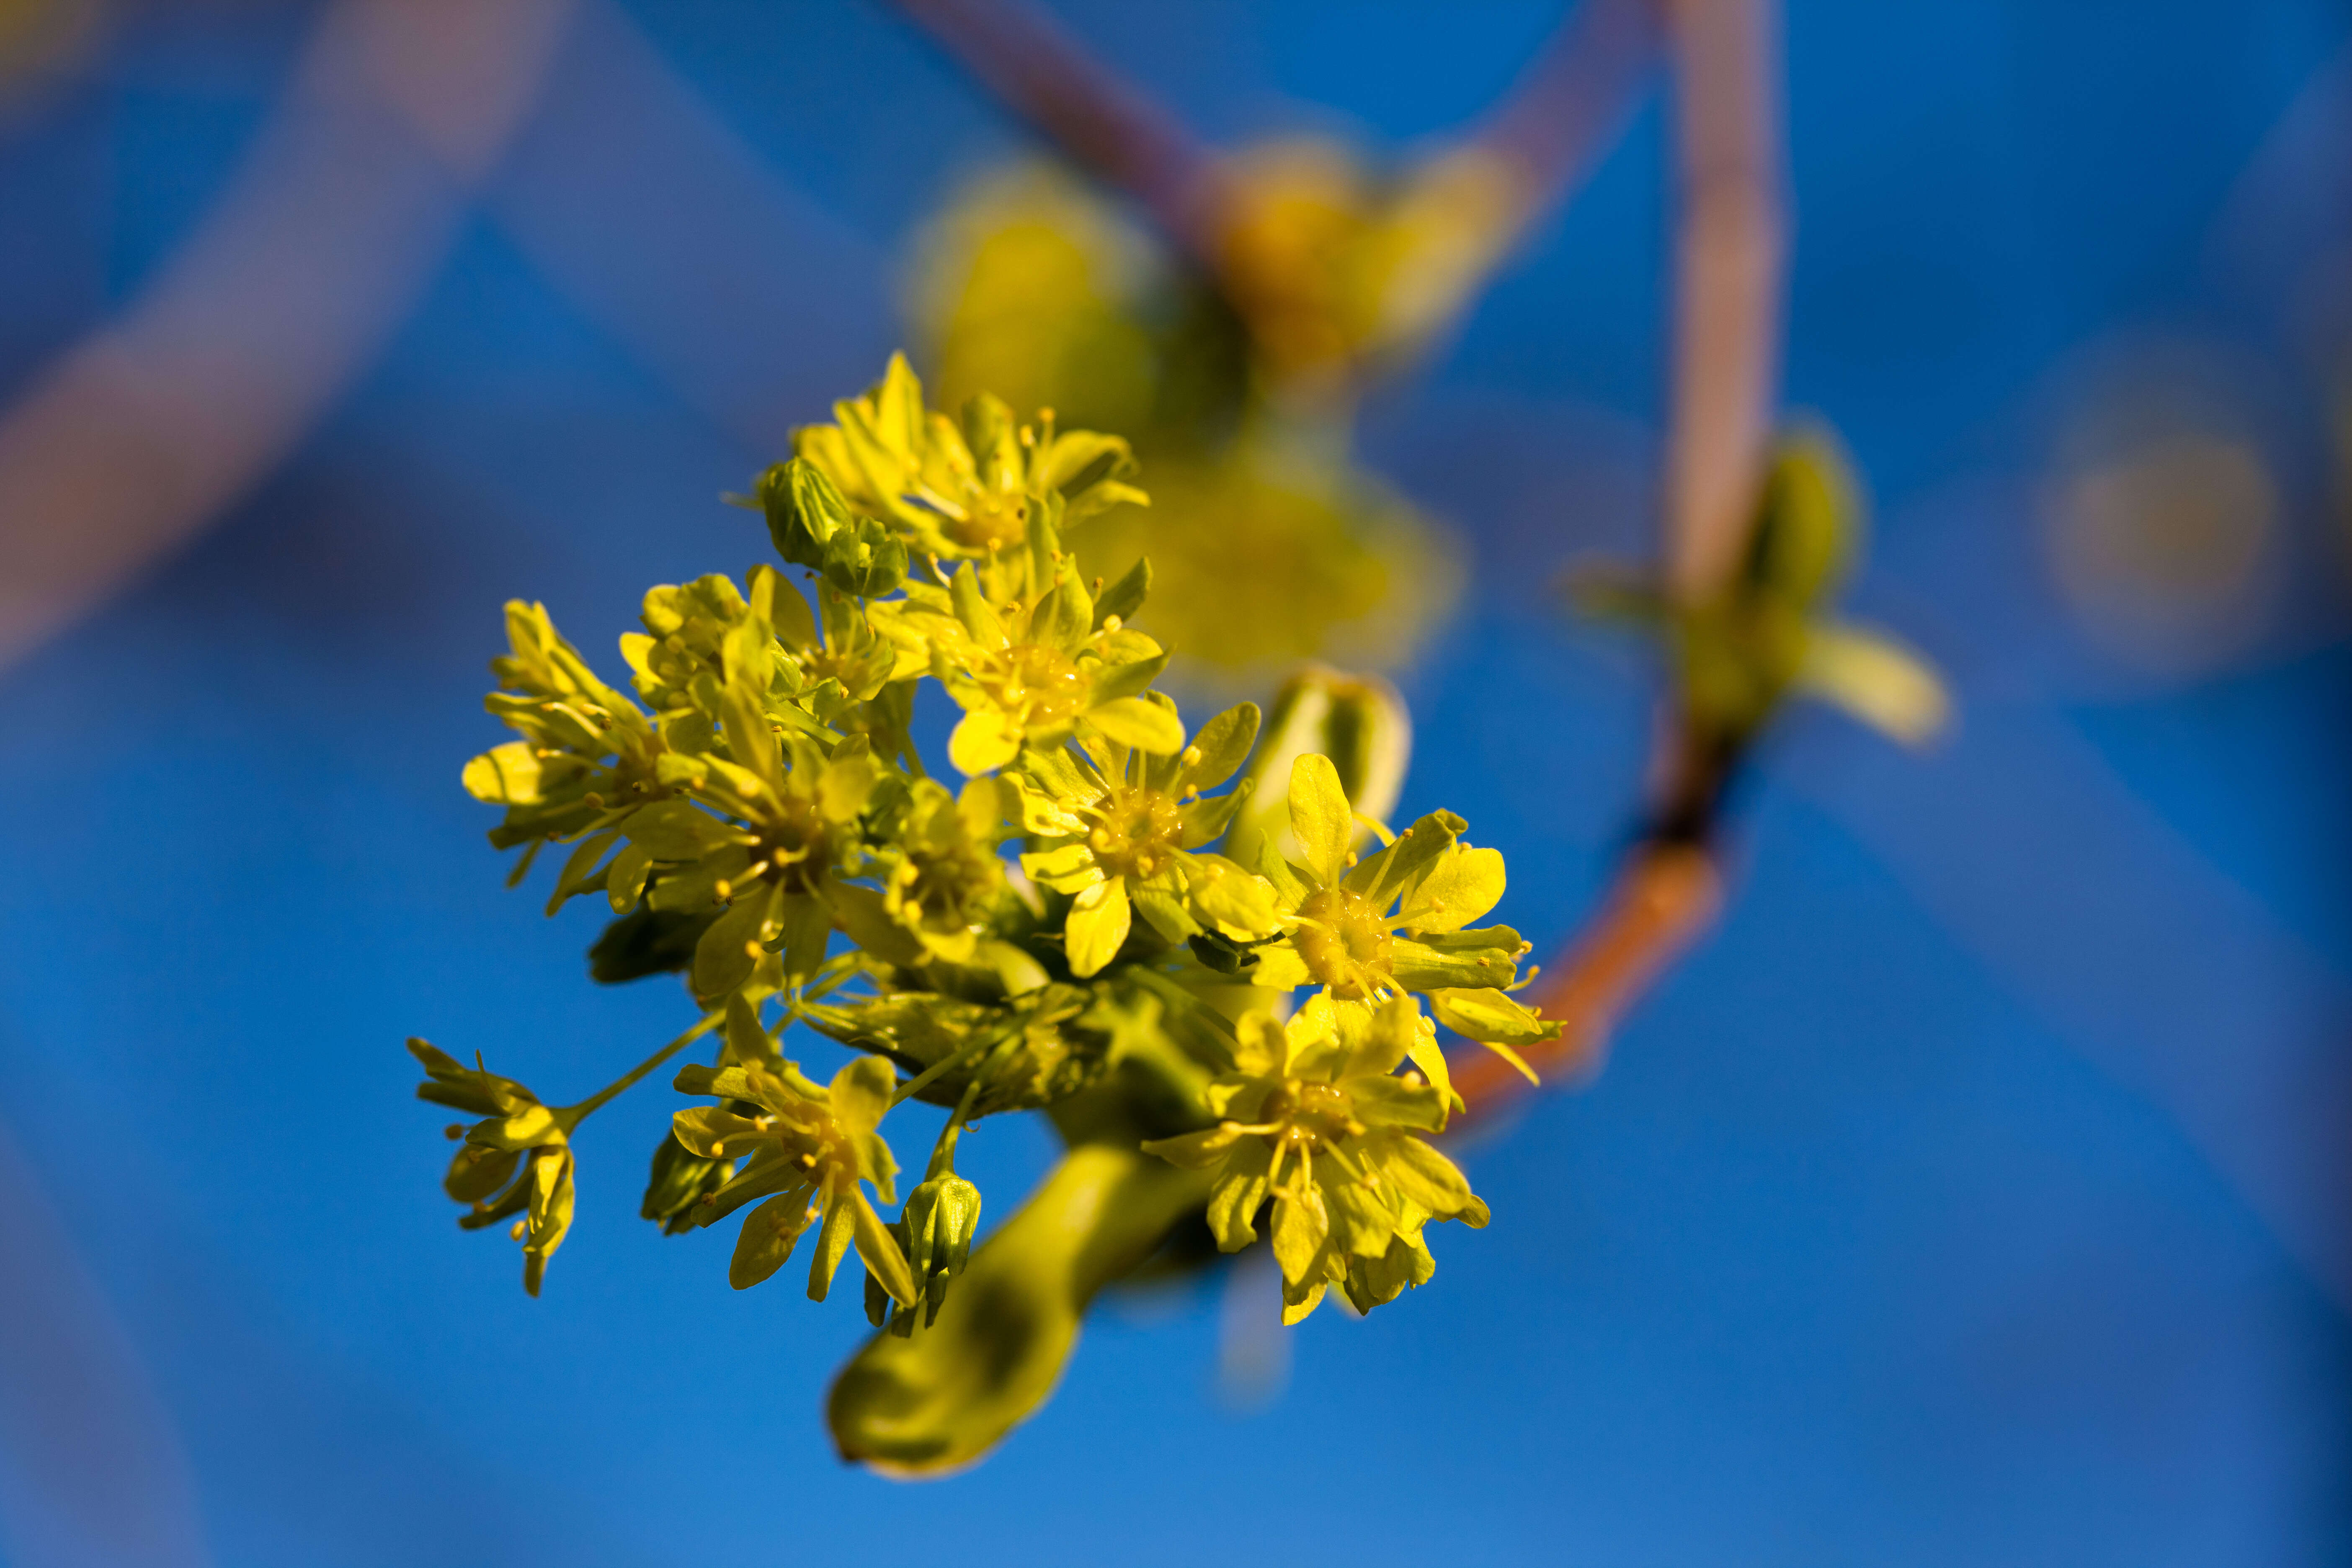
{"x":1979,"y":1192}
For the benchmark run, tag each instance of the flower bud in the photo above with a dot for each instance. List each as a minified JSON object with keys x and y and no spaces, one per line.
{"x":1358,"y":720}
{"x":942,"y":1215}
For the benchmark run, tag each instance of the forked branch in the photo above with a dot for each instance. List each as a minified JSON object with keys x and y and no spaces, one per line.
{"x":1729,"y":299}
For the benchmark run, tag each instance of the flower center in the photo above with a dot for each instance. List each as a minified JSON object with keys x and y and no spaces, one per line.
{"x":992,"y":519}
{"x":825,"y":664}
{"x":1040,"y":683}
{"x":794,"y":843}
{"x":1312,"y":1114}
{"x":1344,"y":943}
{"x":1137,"y":832}
{"x":944,"y":884}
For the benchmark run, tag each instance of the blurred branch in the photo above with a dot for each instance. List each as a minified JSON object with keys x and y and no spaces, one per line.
{"x":1729,"y":283}
{"x":98,"y":1468}
{"x":1102,"y":121}
{"x":1664,"y":898}
{"x":1729,"y":303}
{"x":1547,"y":133}
{"x":1544,"y":135}
{"x":144,"y":433}
{"x":1572,"y":99}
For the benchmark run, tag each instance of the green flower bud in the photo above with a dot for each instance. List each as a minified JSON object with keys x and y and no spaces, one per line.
{"x":941,"y":1218}
{"x":1356,"y":721}
{"x":680,"y":1179}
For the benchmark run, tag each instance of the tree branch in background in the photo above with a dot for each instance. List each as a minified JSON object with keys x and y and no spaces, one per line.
{"x":1730,"y":253}
{"x":1572,"y":101}
{"x":1104,"y":123}
{"x":1547,"y":133}
{"x":1536,"y":145}
{"x":1728,"y":284}
{"x":141,"y":435}
{"x":1664,"y":898}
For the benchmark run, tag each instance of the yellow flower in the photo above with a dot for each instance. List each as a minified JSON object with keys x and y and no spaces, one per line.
{"x":1121,"y":830}
{"x":965,"y":489}
{"x":811,"y":1148}
{"x":1038,"y":671}
{"x":1397,"y":921}
{"x":587,"y":752}
{"x":516,"y":1134}
{"x":1343,"y":915}
{"x":1316,"y":1118}
{"x":947,"y":875}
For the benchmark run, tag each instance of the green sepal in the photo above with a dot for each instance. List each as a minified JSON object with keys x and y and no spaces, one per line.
{"x":679,"y":1180}
{"x":1126,"y":596}
{"x":646,"y":942}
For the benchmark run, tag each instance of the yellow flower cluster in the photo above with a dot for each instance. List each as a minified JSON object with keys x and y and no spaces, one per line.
{"x":1097,"y":922}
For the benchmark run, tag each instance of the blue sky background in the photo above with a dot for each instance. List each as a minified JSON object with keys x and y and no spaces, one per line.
{"x":1975,"y":1193}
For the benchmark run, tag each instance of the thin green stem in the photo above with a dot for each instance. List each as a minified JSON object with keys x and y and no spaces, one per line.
{"x":956,"y":1057}
{"x":573,"y":1115}
{"x":943,"y":1151}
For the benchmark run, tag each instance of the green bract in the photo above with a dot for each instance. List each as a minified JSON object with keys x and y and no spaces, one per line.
{"x":1096,"y":922}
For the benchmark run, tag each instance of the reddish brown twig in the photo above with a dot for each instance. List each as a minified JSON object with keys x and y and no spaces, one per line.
{"x":1727,"y":351}
{"x":1664,"y":898}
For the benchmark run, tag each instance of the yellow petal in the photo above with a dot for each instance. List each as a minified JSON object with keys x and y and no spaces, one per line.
{"x":881,"y":1253}
{"x":985,"y":740}
{"x":1195,"y":1150}
{"x":1098,"y":925}
{"x":1462,"y":887}
{"x":1301,"y":1225}
{"x":765,"y":1243}
{"x":860,"y":1092}
{"x":1491,"y":1016}
{"x":1139,"y":722}
{"x":1319,"y":817}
